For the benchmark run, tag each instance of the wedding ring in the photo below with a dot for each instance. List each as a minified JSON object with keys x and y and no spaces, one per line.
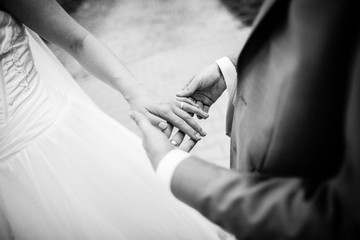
{"x":181,"y":105}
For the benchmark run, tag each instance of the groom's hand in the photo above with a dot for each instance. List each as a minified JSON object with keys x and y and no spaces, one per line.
{"x":165,"y":112}
{"x":155,"y":143}
{"x":205,"y":87}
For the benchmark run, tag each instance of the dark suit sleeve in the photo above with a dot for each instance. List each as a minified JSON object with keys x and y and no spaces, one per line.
{"x":255,"y":207}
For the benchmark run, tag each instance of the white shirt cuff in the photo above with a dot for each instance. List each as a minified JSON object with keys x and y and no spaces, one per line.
{"x":228,"y":71}
{"x":168,"y":165}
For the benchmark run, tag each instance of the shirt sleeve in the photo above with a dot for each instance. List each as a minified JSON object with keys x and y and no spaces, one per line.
{"x":229,"y":73}
{"x":168,"y":165}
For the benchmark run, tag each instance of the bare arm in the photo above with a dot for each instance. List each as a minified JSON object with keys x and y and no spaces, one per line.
{"x":48,"y":19}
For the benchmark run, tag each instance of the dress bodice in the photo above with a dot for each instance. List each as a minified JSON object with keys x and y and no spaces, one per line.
{"x":28,"y":105}
{"x":20,"y":77}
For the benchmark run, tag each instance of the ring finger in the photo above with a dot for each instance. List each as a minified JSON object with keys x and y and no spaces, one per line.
{"x":201,"y":106}
{"x":190,"y":121}
{"x":192,"y":110}
{"x":187,"y":100}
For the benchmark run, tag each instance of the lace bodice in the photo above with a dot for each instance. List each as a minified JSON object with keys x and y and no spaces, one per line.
{"x":19,"y":78}
{"x":28,"y":106}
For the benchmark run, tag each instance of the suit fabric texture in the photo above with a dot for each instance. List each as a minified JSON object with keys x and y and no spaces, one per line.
{"x":294,"y":127}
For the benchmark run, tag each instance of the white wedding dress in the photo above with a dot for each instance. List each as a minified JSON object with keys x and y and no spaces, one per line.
{"x":67,"y":170}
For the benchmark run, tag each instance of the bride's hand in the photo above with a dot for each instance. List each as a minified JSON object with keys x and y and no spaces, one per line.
{"x":161,"y":110}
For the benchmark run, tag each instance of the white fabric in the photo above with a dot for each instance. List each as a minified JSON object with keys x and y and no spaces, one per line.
{"x":229,"y":73}
{"x":168,"y":165}
{"x":69,"y":171}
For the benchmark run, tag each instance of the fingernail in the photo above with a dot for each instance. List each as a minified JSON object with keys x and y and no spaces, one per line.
{"x":174,"y":143}
{"x":163,"y":125}
{"x":197,"y":135}
{"x":203,"y":133}
{"x":179,"y":92}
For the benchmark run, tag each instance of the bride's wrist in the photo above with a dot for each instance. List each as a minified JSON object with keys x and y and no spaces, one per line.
{"x":130,"y":90}
{"x":135,"y":93}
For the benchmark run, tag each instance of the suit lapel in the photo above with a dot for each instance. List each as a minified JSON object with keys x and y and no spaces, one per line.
{"x":265,"y":8}
{"x":247,"y":52}
{"x":259,"y":21}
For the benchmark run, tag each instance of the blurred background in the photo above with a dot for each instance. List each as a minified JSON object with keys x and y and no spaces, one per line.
{"x":164,"y":43}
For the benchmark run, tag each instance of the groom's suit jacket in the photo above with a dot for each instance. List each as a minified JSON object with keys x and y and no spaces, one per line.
{"x":295,"y":129}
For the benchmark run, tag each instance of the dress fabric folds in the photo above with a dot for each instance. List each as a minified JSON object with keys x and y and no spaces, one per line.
{"x":67,"y":170}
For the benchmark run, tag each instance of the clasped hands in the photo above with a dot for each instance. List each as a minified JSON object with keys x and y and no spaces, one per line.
{"x":195,"y":98}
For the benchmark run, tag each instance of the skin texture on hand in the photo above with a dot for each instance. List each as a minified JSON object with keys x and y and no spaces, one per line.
{"x":155,"y":143}
{"x":165,"y":112}
{"x":96,"y":58}
{"x":205,"y":87}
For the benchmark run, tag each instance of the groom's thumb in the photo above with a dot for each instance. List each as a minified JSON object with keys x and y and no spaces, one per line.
{"x":140,"y":120}
{"x":189,"y":89}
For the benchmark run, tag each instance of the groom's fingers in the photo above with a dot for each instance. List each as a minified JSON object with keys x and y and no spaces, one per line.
{"x":140,"y":121}
{"x":188,"y":89}
{"x":188,"y":145}
{"x":178,"y":138}
{"x":146,"y":128}
{"x":206,"y":108}
{"x":168,"y":130}
{"x":163,"y":125}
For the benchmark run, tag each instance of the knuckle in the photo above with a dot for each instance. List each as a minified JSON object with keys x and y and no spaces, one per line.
{"x":188,"y":118}
{"x":192,"y":122}
{"x":180,"y":123}
{"x":197,"y":110}
{"x":164,"y":109}
{"x":168,"y":102}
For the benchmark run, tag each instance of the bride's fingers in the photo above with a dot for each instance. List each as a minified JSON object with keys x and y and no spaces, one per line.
{"x":191,"y":109}
{"x":185,"y":123}
{"x":188,"y":145}
{"x":178,"y":138}
{"x":201,"y":106}
{"x":187,"y":100}
{"x":192,"y":100}
{"x":190,"y":122}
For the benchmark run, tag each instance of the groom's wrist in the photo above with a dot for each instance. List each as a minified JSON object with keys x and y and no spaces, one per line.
{"x":228,"y":71}
{"x":168,"y":164}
